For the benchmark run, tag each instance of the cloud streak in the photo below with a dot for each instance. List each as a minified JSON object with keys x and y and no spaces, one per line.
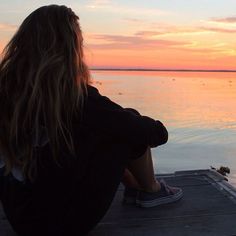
{"x":170,"y":31}
{"x":174,"y":30}
{"x":110,"y":7}
{"x":146,"y":40}
{"x":133,"y":20}
{"x":131,"y":42}
{"x":219,"y":30}
{"x":98,"y":4}
{"x":229,"y":20}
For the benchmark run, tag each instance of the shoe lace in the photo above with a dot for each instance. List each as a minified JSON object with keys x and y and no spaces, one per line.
{"x":165,"y":187}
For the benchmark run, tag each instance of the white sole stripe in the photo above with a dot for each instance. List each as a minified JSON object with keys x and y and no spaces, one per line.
{"x":164,"y":200}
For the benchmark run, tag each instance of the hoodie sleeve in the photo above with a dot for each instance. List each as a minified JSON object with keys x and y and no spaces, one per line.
{"x":103,"y":115}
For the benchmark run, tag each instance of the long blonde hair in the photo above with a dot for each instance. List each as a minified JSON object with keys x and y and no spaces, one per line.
{"x":43,"y":79}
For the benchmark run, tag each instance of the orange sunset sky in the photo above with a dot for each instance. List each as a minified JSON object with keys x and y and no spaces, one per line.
{"x":175,"y":34}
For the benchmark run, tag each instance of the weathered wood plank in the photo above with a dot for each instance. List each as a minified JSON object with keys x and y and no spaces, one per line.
{"x":218,"y":225}
{"x":207,"y":208}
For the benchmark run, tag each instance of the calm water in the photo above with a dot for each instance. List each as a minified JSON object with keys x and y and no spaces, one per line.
{"x":199,"y":110}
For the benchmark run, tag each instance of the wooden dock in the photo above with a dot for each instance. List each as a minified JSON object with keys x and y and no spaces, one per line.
{"x":207,"y":208}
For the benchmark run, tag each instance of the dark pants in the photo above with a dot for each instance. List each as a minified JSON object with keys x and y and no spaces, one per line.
{"x":61,"y":203}
{"x":63,"y":206}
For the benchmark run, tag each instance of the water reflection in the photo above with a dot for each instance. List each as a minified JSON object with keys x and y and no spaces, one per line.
{"x":198,"y":109}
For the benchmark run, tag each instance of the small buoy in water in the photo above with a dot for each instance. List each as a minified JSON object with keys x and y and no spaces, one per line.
{"x":223,"y":170}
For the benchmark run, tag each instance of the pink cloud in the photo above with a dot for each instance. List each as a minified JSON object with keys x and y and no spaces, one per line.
{"x":131,"y":42}
{"x":183,"y":30}
{"x":225,"y":20}
{"x":168,"y":30}
{"x":120,"y":42}
{"x":219,"y":30}
{"x":133,"y":20}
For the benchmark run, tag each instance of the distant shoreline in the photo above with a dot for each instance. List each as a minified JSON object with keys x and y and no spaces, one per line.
{"x":167,"y":70}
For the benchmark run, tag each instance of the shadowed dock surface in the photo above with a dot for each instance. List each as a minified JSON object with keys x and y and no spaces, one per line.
{"x":207,"y":208}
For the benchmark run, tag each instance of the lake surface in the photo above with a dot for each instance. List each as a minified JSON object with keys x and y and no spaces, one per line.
{"x":198,"y":109}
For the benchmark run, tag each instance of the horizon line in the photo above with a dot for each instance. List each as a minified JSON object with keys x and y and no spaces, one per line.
{"x":162,"y":69}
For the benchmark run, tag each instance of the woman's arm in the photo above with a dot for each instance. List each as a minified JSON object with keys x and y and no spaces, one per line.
{"x":103,"y":115}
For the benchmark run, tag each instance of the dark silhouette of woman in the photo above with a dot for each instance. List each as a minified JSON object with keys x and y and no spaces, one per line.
{"x":65,"y":148}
